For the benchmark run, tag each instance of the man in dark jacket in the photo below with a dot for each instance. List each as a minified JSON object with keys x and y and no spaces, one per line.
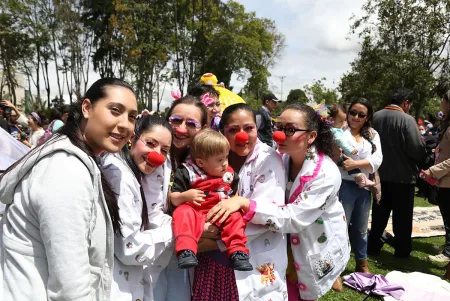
{"x":403,"y":151}
{"x":263,"y":118}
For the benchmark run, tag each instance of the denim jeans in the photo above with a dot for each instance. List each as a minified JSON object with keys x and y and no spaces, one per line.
{"x":173,"y":283}
{"x":356,"y":203}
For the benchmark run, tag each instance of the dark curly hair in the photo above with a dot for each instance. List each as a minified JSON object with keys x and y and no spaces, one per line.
{"x":365,"y":130}
{"x":324,"y":142}
{"x":199,"y":89}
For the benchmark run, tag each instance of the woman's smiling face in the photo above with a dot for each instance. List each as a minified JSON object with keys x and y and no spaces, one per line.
{"x":185,"y":121}
{"x":241,"y":121}
{"x":158,"y":139}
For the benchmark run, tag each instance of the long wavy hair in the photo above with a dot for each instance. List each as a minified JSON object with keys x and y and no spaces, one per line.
{"x":72,"y":131}
{"x":365,"y":129}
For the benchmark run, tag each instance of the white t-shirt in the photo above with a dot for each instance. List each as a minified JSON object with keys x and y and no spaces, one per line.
{"x":35,"y":136}
{"x":364,"y":152}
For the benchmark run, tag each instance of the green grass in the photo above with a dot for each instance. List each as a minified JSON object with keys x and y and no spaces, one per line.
{"x":386,"y":262}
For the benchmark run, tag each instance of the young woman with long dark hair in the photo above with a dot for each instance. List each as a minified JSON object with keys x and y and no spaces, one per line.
{"x":146,"y":231}
{"x":61,"y":215}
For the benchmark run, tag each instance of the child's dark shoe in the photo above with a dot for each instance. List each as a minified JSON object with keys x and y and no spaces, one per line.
{"x":187,"y":259}
{"x":240,"y":261}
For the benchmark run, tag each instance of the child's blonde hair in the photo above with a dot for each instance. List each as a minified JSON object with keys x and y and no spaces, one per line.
{"x":208,"y":143}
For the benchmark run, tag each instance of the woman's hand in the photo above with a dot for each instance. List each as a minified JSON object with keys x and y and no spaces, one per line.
{"x":349,"y":163}
{"x":7,"y":103}
{"x":225,"y":207}
{"x":426,"y":174}
{"x":211,"y":231}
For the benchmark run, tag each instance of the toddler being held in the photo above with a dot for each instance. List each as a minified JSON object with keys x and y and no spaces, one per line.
{"x":338,"y":116}
{"x":199,"y":184}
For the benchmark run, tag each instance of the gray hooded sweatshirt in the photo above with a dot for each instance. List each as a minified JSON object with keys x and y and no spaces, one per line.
{"x":57,"y":241}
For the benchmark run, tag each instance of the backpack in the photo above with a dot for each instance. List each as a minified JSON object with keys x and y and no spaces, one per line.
{"x":47,"y":134}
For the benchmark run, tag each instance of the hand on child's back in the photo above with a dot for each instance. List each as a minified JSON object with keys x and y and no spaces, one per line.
{"x":354,"y":152}
{"x":195,"y":196}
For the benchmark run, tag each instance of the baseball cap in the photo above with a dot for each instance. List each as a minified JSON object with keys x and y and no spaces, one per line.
{"x":270,"y":96}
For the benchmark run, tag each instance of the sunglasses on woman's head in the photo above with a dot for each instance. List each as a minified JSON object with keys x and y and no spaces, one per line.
{"x":288,"y":129}
{"x":178,"y":120}
{"x":354,"y":113}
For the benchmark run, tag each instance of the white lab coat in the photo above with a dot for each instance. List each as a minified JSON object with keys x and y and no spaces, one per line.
{"x":316,"y":221}
{"x":263,"y":180}
{"x":135,"y":250}
{"x":156,"y":188}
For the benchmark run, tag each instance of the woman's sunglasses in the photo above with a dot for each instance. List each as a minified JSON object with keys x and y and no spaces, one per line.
{"x":178,"y":120}
{"x":360,"y":115}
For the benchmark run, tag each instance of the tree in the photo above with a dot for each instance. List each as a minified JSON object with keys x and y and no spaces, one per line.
{"x":404,"y":44}
{"x":222,"y":38}
{"x":318,"y":93}
{"x":296,"y":95}
{"x":15,"y":45}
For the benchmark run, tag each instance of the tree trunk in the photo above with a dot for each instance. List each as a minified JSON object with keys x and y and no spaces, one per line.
{"x":46,"y":81}
{"x":55,"y":58}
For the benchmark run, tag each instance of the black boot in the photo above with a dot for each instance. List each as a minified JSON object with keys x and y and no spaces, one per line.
{"x":187,"y":259}
{"x":240,"y":261}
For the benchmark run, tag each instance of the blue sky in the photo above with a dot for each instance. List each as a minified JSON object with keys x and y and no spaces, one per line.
{"x":317,"y":40}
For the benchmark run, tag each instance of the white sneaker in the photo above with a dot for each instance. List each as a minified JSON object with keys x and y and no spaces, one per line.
{"x":439,"y":258}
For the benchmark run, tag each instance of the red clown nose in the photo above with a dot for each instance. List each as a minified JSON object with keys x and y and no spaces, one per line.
{"x":180,"y":131}
{"x":279,"y":136}
{"x":155,"y":158}
{"x":241,"y":137}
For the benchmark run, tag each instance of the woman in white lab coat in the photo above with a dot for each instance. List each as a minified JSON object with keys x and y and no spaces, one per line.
{"x":145,"y":234}
{"x":262,"y":179}
{"x":313,"y":218}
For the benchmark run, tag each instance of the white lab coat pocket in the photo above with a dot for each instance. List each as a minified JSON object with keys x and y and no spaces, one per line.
{"x":326,"y":265}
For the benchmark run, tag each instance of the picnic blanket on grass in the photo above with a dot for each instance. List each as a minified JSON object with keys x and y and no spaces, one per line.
{"x":427,"y":222}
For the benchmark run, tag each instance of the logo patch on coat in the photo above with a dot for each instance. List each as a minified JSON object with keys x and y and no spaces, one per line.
{"x":267,"y":273}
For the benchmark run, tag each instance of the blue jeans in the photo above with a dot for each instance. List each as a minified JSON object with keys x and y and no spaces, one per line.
{"x":173,"y":283}
{"x":356,"y":203}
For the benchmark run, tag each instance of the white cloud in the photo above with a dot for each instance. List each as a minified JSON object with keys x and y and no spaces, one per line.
{"x":316,"y":39}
